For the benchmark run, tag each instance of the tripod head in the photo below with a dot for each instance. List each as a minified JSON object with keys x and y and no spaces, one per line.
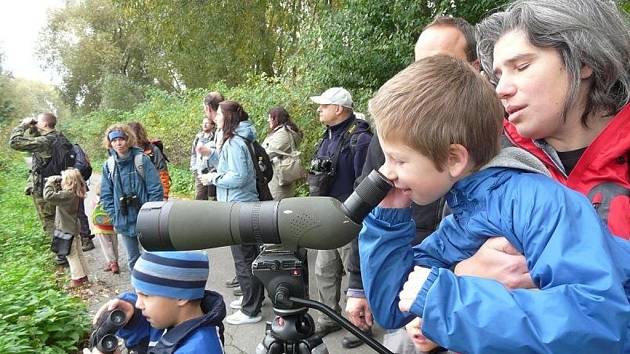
{"x":291,"y":332}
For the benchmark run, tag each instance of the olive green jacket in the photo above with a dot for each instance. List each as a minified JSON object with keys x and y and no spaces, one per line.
{"x":66,"y":217}
{"x":39,"y":144}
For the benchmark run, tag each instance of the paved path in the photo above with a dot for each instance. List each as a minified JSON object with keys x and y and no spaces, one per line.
{"x":238,"y":339}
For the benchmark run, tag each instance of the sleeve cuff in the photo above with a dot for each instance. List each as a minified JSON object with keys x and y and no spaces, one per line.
{"x":417,"y":307}
{"x":355,"y":293}
{"x":391,"y":215}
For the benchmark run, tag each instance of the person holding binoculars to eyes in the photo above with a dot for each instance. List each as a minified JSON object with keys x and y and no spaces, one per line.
{"x":129,"y":180}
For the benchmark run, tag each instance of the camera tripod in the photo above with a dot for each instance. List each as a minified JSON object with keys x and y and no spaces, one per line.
{"x":292,"y":331}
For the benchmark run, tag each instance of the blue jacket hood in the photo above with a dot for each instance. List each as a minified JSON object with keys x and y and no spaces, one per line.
{"x":247,"y":130}
{"x":236,"y":178}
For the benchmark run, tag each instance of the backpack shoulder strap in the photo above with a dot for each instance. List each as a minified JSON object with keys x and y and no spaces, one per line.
{"x":111,"y":165}
{"x":137,"y":161}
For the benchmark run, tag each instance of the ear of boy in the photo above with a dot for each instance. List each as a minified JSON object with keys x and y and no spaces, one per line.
{"x":459,"y":164}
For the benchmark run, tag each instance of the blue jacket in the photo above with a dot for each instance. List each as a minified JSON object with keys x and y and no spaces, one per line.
{"x":351,"y":160}
{"x":579,"y":267}
{"x":236,"y":178}
{"x":200,"y":335}
{"x":147,"y":190}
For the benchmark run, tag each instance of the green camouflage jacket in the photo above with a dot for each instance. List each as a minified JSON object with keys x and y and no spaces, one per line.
{"x":39,"y":144}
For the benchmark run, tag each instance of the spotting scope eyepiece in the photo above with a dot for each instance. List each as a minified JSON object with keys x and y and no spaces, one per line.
{"x":310,"y":222}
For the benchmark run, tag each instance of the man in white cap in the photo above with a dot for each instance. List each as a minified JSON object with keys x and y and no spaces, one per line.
{"x":337,"y":162}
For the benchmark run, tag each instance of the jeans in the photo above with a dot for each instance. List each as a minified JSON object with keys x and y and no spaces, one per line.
{"x":132,"y":246}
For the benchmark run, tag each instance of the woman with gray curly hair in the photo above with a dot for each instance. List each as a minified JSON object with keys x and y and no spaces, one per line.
{"x":562,"y":71}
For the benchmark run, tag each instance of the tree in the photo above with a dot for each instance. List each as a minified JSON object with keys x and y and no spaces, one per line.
{"x":359,"y":44}
{"x":208,"y":41}
{"x":84,"y":42}
{"x":6,"y":105}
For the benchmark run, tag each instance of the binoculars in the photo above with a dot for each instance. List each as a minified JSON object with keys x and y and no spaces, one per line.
{"x":103,"y":338}
{"x":127,"y":201}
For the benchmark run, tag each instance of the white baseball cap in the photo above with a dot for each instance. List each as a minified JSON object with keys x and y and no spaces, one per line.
{"x":335,"y":95}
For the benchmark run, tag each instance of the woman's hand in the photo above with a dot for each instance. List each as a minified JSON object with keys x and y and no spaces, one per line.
{"x":497,"y":259}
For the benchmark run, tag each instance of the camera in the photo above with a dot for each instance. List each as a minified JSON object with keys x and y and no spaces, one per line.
{"x":321,"y":166}
{"x":127,"y":201}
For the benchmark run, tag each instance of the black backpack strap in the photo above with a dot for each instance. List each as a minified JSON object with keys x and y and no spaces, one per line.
{"x":345,"y":140}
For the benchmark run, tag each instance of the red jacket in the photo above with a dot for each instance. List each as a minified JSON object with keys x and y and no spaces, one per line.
{"x":602,"y":173}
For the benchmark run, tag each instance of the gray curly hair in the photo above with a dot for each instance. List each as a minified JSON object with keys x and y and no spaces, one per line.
{"x":585,"y":32}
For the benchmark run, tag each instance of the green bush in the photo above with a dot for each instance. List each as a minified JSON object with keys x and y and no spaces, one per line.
{"x":35,"y":315}
{"x":175,"y":119}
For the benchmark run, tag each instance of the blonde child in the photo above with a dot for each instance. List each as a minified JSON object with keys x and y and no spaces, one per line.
{"x":66,"y":192}
{"x":104,"y":231}
{"x":423,"y":344}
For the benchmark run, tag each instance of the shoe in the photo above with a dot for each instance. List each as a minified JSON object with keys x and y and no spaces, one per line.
{"x":233,"y":283}
{"x":236,"y":304}
{"x":75,"y":283}
{"x":238,"y":292}
{"x":322,"y":330}
{"x":351,"y":341}
{"x":86,"y":243}
{"x":61,"y":261}
{"x":113,"y":266}
{"x":238,"y":318}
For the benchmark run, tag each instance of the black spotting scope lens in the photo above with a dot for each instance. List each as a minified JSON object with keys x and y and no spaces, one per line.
{"x":367,"y":195}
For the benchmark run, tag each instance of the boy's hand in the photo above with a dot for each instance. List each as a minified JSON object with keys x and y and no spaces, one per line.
{"x":497,"y":259}
{"x":119,"y":304}
{"x":412,"y":287}
{"x":395,"y":199}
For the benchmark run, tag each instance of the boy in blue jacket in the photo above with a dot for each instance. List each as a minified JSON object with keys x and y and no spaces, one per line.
{"x":439,"y":124}
{"x":173,"y":312}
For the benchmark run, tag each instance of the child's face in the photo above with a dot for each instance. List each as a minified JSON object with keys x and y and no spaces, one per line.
{"x":414,"y":330}
{"x":161,"y":312}
{"x":414,"y":173}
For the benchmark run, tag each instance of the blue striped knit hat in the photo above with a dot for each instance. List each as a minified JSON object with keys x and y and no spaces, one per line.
{"x":178,"y":275}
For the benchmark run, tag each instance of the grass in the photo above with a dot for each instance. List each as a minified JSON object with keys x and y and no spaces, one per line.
{"x":36,"y":315}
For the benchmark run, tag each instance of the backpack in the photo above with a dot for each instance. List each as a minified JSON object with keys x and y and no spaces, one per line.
{"x":263,"y":168}
{"x":137,"y":161}
{"x":82,"y":162}
{"x":160,"y":145}
{"x":62,"y":157}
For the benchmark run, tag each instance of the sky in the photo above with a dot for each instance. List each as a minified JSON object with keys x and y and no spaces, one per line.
{"x":20,"y":23}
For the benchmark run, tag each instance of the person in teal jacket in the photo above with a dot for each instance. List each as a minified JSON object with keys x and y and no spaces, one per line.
{"x":439,"y":125}
{"x":129,"y":180}
{"x":235,"y":179}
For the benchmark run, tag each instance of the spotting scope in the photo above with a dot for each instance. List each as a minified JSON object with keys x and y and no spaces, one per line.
{"x":310,"y":222}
